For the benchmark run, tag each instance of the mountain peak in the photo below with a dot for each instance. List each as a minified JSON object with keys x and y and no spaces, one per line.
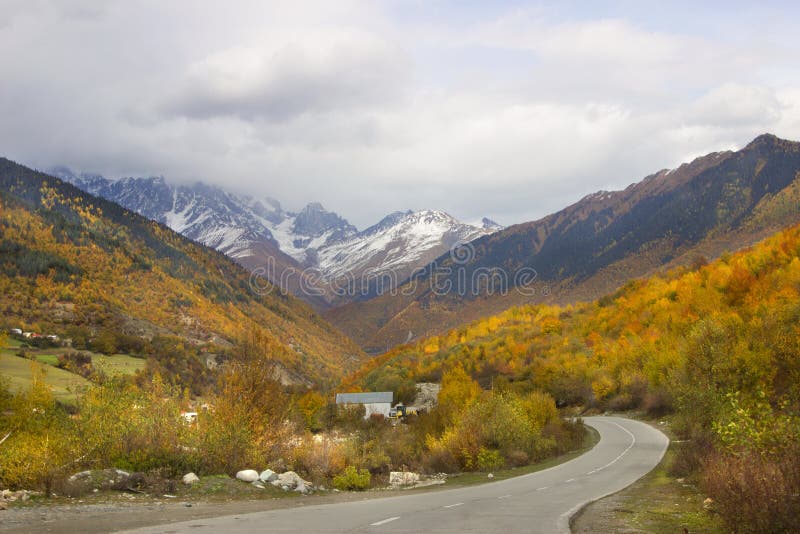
{"x":387,"y":222}
{"x":769,"y":141}
{"x":489,"y":224}
{"x":314,"y":220}
{"x":314,"y":207}
{"x":765,"y":139}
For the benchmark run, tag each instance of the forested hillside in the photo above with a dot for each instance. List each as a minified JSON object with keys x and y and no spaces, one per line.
{"x":718,"y":345}
{"x":76,"y":265}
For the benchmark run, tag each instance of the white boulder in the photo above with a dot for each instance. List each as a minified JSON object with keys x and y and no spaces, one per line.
{"x":247,"y":475}
{"x":291,"y":481}
{"x":190,"y":478}
{"x":403,"y":478}
{"x":268,"y":475}
{"x":80,"y":476}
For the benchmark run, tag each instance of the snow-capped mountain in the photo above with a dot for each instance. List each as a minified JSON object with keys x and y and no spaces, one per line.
{"x":399,"y":243}
{"x":251,"y":230}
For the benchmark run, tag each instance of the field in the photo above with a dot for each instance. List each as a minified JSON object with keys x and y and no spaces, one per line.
{"x":19,"y":372}
{"x":64,"y":383}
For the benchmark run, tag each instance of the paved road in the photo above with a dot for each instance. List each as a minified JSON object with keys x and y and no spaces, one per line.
{"x":539,"y":502}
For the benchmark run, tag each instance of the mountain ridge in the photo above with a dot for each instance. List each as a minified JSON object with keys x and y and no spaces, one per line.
{"x":720,"y":201}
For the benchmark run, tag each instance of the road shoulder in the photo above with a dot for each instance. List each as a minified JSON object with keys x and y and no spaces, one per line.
{"x":658,"y":502}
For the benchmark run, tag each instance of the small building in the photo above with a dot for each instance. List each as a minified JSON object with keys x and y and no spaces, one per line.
{"x":16,"y":331}
{"x":373,"y":401}
{"x":189,"y":417}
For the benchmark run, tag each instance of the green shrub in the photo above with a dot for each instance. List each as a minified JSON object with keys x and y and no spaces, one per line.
{"x":352,"y":479}
{"x":489,"y":459}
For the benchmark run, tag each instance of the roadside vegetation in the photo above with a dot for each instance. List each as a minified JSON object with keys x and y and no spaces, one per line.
{"x":246,"y":417}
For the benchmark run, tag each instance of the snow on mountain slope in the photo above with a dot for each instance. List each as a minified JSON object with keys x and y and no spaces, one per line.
{"x":249,"y":230}
{"x":399,"y":243}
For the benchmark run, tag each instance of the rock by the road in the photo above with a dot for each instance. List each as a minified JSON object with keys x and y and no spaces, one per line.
{"x":403,"y":478}
{"x":268,"y":475}
{"x":292,"y":481}
{"x":7,"y":496}
{"x":97,"y":479}
{"x":190,"y":478}
{"x":247,"y":475}
{"x":79,"y":476}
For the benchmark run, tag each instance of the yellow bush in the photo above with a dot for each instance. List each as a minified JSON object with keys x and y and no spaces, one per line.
{"x":352,"y":479}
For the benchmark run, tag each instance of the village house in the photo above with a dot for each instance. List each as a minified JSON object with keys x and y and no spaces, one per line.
{"x":373,"y":401}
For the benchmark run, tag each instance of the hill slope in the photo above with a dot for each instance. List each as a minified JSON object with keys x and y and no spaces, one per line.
{"x":67,"y":257}
{"x":727,"y":326}
{"x":722,"y":201}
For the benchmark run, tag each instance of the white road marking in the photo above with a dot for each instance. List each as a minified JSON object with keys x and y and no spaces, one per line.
{"x":453,"y":505}
{"x":504,"y":496}
{"x":570,"y":480}
{"x":542,"y":488}
{"x":563,"y":519}
{"x":623,"y":453}
{"x":379,"y":523}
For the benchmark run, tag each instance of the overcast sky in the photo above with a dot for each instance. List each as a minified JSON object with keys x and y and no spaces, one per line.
{"x":506,"y":109}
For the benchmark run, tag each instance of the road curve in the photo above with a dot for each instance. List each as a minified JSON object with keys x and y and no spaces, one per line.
{"x":538,"y":502}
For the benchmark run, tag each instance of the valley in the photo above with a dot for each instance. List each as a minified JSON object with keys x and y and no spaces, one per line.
{"x":107,"y":310}
{"x":375,"y":266}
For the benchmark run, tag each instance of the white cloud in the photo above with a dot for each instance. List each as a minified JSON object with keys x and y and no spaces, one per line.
{"x":364,"y":107}
{"x":737,"y":105}
{"x":342,"y":72}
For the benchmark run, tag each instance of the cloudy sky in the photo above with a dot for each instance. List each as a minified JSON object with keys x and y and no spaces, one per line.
{"x":505,"y":109}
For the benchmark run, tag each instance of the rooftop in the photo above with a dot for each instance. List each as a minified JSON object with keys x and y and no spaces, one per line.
{"x":368,"y":397}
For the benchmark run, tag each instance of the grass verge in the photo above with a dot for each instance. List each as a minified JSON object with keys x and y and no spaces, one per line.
{"x":658,"y":502}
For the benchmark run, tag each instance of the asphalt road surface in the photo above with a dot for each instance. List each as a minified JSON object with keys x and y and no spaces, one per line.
{"x":539,"y":502}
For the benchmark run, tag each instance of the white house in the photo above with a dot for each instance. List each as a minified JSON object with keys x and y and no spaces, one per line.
{"x":373,"y":401}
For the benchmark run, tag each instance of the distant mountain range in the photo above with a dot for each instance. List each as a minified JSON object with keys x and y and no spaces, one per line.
{"x":722,"y":201}
{"x":258,"y":232}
